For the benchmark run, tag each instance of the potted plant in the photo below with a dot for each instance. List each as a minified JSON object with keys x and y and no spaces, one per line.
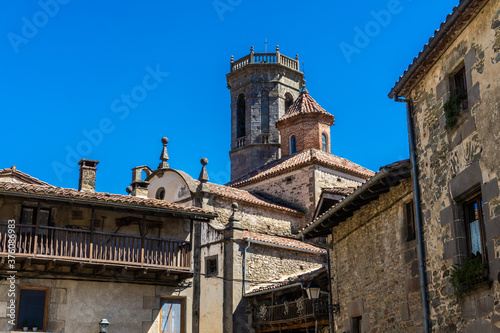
{"x":35,"y":326}
{"x":25,"y":325}
{"x":464,"y":277}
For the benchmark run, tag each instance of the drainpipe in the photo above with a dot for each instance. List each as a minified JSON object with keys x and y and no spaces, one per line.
{"x":330,"y":300}
{"x":416,"y":198}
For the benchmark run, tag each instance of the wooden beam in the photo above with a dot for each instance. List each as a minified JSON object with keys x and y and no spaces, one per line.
{"x":163,"y":274}
{"x":50,"y":265}
{"x":26,"y":263}
{"x":122,"y":271}
{"x":76,"y":268}
{"x":2,"y":260}
{"x":140,"y":273}
{"x":99,"y":269}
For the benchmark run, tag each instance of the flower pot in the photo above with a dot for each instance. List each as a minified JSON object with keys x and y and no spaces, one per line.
{"x":25,"y":328}
{"x":35,"y":329}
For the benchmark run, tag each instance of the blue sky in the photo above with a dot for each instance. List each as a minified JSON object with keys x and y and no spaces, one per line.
{"x":67,"y":67}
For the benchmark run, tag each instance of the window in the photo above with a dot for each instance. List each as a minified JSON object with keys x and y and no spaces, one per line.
{"x":324,"y":143}
{"x":172,"y":315}
{"x":160,"y":194}
{"x":410,"y":221}
{"x":240,"y":117}
{"x":211,"y":266}
{"x":32,"y":307}
{"x":288,"y":101}
{"x":357,"y":324}
{"x":461,"y":83}
{"x":293,"y":148}
{"x":473,"y":217}
{"x":28,"y":216}
{"x":264,"y":112}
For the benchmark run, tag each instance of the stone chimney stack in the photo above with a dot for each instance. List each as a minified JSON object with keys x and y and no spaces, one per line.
{"x":88,"y":169}
{"x":140,"y":187}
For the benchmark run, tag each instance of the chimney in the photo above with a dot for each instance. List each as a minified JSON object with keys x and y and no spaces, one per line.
{"x":88,"y":169}
{"x":140,"y":187}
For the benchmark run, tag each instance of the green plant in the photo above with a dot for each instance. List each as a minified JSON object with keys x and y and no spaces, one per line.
{"x":25,"y":323}
{"x":467,"y":275}
{"x":452,"y":108}
{"x":35,"y":324}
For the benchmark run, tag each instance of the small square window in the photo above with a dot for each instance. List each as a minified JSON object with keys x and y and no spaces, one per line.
{"x":32,"y":307}
{"x":211,"y":267}
{"x":474,"y":227}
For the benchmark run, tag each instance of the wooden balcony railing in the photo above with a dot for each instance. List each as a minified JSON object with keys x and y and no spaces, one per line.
{"x":283,"y":313}
{"x":96,"y":247}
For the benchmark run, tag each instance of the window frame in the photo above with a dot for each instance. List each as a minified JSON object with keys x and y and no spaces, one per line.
{"x":214,"y":258}
{"x":45,"y":310}
{"x":476,"y":198}
{"x":33,"y":217}
{"x":324,"y":142}
{"x":241,"y":116}
{"x":357,"y":324}
{"x":409,"y":220}
{"x":183,"y":310}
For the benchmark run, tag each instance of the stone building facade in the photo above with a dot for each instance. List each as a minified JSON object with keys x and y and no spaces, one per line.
{"x":453,"y":97}
{"x":373,"y":257}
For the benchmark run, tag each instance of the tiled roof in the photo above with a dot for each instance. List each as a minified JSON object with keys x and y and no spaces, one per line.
{"x":303,"y":105}
{"x":66,"y":193}
{"x":282,"y":241}
{"x":248,"y":197}
{"x":21,"y":176}
{"x":438,"y":43}
{"x":339,"y":190}
{"x":391,"y":173}
{"x":288,"y":280}
{"x":299,"y":160}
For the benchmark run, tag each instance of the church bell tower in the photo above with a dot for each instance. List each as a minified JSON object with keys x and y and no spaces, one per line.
{"x":263,"y":86}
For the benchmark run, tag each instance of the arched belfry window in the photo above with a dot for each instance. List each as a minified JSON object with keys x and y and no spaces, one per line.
{"x":293,"y":146}
{"x":288,"y":101}
{"x":324,"y":143}
{"x":240,"y":116}
{"x":264,"y":112}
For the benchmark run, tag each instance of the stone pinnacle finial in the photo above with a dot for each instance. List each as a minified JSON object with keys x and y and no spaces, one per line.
{"x":164,"y":154}
{"x":277,"y":48}
{"x":233,"y":218}
{"x":203,"y":174}
{"x":296,"y":57}
{"x":232,"y":58}
{"x":304,"y":90}
{"x":251,"y":49}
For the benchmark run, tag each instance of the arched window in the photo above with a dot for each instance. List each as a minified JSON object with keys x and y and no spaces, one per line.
{"x":160,"y":194}
{"x":324,"y":143}
{"x":288,"y":101}
{"x":240,"y":117}
{"x":293,"y":148}
{"x":264,"y":112}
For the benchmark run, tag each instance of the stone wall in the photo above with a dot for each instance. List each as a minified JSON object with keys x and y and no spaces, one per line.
{"x":455,"y":163}
{"x":328,"y":178}
{"x":259,"y":219}
{"x":78,"y":306}
{"x":266,"y":263}
{"x":374,"y":269}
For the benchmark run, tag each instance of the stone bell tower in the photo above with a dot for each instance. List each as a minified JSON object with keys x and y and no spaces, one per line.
{"x":263,"y":86}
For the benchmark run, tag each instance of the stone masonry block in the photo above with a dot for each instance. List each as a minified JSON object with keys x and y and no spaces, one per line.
{"x":442,"y":88}
{"x":355,"y":308}
{"x":151,"y":302}
{"x":3,"y":309}
{"x":58,"y":295}
{"x":465,"y":181}
{"x":412,"y":285}
{"x":490,"y":190}
{"x":473,"y":94}
{"x":446,"y":215}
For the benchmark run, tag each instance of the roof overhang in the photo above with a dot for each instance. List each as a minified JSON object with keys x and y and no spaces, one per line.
{"x":388,"y":176}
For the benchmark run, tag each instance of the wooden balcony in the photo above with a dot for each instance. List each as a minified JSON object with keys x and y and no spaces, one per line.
{"x":101,"y":248}
{"x":293,"y":314}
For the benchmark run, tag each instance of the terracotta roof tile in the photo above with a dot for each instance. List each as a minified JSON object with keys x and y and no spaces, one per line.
{"x":282,"y":241}
{"x":59,"y":192}
{"x":339,"y":190}
{"x":305,"y":104}
{"x":287,"y":280}
{"x":23,"y":177}
{"x":248,"y":197}
{"x":299,"y":160}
